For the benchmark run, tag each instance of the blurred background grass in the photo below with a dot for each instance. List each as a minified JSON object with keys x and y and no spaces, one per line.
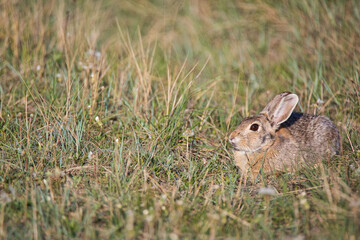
{"x":115,"y":116}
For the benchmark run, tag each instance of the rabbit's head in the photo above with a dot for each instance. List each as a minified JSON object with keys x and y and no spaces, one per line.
{"x":258,"y":133}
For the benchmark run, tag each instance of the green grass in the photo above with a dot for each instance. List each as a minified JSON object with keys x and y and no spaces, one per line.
{"x":114,"y":117}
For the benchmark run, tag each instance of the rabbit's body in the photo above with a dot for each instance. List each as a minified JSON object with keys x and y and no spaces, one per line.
{"x":279,"y":140}
{"x":315,"y":135}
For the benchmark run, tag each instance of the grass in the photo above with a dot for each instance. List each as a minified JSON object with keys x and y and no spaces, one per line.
{"x":114,"y":118}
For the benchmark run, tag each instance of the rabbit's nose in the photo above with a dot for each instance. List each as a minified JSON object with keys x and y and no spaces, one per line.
{"x":231,"y":140}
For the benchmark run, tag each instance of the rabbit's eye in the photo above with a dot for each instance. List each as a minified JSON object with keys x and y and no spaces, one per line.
{"x":254,"y":127}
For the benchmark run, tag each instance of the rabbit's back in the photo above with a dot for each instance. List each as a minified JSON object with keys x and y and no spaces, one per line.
{"x":315,"y":135}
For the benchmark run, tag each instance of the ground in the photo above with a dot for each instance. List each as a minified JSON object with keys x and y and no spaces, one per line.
{"x":115,"y":115}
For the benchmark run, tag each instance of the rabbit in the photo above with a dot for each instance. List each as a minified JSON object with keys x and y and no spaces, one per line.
{"x":278,"y":139}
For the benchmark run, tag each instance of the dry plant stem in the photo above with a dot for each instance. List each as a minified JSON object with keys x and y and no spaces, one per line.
{"x":310,"y":96}
{"x":267,"y":206}
{"x":234,"y":97}
{"x":34,"y":213}
{"x":27,"y":130}
{"x":348,"y":137}
{"x":2,"y":225}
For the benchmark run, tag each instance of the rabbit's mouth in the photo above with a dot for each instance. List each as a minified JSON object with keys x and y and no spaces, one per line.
{"x":247,"y":150}
{"x":238,"y":149}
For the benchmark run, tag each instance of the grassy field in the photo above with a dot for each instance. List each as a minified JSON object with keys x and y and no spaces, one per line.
{"x":114,"y":118}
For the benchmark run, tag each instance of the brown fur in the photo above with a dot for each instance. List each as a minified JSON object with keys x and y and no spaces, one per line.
{"x":283,"y":144}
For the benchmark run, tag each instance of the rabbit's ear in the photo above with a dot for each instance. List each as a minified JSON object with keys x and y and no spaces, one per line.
{"x":280,"y":108}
